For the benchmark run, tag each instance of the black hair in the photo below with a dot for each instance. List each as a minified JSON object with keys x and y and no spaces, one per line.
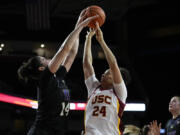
{"x":125,"y":75}
{"x":29,"y":69}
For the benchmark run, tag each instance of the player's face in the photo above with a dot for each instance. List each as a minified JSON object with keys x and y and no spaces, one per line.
{"x":174,"y":104}
{"x":107,"y":77}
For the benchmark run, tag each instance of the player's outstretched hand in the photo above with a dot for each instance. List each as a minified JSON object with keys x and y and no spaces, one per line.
{"x":81,"y":17}
{"x":90,"y":33}
{"x":85,"y":22}
{"x":155,"y":128}
{"x":99,"y":33}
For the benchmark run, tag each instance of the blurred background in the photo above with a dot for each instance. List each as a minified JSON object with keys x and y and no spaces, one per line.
{"x":144,"y":35}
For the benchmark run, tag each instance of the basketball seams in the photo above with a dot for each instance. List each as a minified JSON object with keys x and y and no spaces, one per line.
{"x":95,"y":10}
{"x":100,"y":15}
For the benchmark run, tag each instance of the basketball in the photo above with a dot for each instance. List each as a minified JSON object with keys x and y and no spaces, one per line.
{"x":95,"y":10}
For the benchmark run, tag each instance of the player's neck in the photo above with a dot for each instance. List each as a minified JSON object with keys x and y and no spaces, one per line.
{"x":175,"y":115}
{"x":106,"y":87}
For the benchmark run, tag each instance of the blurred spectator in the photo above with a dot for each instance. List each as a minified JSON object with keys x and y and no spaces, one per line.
{"x":152,"y":129}
{"x":145,"y":130}
{"x":173,"y":125}
{"x":131,"y":130}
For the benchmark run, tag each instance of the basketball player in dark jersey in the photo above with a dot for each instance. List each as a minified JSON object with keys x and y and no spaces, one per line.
{"x":53,"y":98}
{"x":173,"y":125}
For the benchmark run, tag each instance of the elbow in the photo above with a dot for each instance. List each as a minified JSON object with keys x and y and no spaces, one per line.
{"x":74,"y":51}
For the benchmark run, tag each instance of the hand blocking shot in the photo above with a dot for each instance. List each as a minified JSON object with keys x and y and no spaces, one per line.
{"x":53,"y":100}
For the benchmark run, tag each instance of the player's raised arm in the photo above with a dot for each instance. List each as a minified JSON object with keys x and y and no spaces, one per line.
{"x":67,"y":45}
{"x":71,"y":56}
{"x":112,"y":62}
{"x":117,"y":79}
{"x":87,"y":56}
